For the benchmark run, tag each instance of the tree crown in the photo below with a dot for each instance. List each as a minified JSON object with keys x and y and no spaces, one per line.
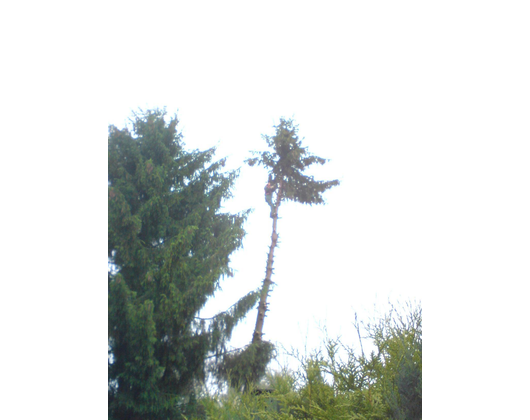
{"x":287,"y":160}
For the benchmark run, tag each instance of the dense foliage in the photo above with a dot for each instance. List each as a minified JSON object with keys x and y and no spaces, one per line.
{"x":169,"y":245}
{"x":287,"y":161}
{"x":243,"y":368}
{"x":340,"y":381}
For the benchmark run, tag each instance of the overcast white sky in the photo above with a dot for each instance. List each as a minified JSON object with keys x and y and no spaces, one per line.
{"x":357,"y":82}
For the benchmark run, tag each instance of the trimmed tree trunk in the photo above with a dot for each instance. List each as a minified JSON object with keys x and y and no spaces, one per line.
{"x":265,"y":290}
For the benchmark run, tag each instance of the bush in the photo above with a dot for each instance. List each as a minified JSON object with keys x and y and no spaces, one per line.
{"x":383,"y":385}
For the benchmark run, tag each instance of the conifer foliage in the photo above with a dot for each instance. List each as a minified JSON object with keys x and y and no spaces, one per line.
{"x":169,"y":245}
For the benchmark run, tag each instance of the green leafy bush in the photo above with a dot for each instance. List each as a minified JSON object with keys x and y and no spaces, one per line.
{"x":339,"y":382}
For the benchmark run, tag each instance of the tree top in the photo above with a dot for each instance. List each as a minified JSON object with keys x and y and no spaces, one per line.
{"x":287,"y":160}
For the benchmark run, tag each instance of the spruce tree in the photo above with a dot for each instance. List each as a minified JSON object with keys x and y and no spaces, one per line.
{"x":286,"y":160}
{"x":169,"y":244}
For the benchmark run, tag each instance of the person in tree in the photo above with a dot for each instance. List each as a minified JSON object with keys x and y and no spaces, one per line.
{"x":269,"y":190}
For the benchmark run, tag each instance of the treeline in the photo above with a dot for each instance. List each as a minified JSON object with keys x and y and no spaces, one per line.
{"x":169,"y":246}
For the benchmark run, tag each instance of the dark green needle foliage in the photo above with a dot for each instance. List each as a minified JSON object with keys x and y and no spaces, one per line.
{"x":286,"y":160}
{"x":169,"y":245}
{"x":245,"y":368}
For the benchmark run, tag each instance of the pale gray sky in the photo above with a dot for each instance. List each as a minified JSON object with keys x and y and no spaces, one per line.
{"x":356,"y":81}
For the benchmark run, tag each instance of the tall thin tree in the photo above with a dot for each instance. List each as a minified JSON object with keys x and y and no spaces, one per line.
{"x":286,"y":161}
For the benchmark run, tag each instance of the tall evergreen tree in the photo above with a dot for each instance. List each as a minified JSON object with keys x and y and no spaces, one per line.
{"x":169,"y":245}
{"x":286,"y":161}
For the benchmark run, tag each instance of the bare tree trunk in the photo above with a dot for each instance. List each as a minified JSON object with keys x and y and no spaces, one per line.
{"x":262,"y":307}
